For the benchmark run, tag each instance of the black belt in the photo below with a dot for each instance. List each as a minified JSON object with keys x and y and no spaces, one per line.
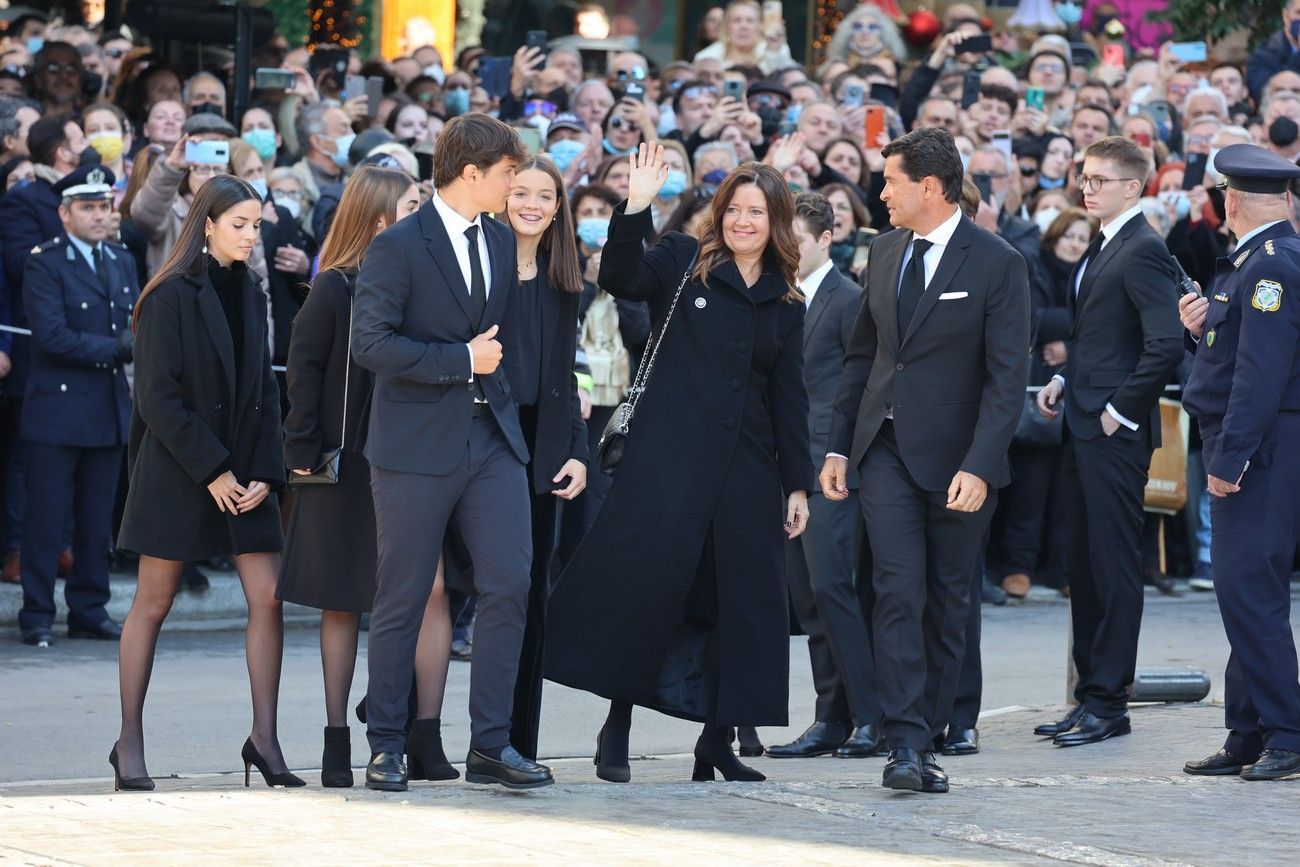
{"x":481,"y":409}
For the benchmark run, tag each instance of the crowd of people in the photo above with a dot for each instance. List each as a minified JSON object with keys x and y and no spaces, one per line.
{"x":212,"y":299}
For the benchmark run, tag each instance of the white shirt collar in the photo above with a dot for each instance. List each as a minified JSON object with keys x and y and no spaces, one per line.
{"x":1111,"y":229}
{"x":809,"y":285}
{"x":1241,"y":242}
{"x":451,"y":218}
{"x":942,"y":233}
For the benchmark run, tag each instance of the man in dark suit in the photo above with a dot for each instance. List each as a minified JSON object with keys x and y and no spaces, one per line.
{"x":820,"y":564}
{"x":78,"y":291}
{"x":1126,"y":341}
{"x":445,"y":445}
{"x":934,"y":380}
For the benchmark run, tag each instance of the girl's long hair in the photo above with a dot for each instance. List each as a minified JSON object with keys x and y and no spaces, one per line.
{"x":370,"y":195}
{"x":558,"y":240}
{"x":218,"y":194}
{"x":782,"y":247}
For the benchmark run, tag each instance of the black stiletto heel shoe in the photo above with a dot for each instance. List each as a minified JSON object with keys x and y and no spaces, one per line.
{"x":127,"y":784}
{"x":252,"y":758}
{"x":611,"y":772}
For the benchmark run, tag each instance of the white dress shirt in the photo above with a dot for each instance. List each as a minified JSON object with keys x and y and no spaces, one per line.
{"x":456,"y":226}
{"x":1108,"y":233}
{"x":808,"y":285}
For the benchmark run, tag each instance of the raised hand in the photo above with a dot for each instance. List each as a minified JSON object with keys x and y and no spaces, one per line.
{"x":648,"y":176}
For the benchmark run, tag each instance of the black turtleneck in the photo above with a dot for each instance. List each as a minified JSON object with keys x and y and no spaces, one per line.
{"x":229,"y":283}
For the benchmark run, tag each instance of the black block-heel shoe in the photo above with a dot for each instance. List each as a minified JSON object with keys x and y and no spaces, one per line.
{"x":608,"y":766}
{"x":336,"y":760}
{"x":425,"y":757}
{"x":715,"y":754}
{"x":127,"y":784}
{"x":252,"y":758}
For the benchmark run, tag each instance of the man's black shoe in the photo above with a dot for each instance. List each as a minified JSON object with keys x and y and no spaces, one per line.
{"x":933,"y":780}
{"x":40,"y":636}
{"x":1221,"y":764}
{"x":1071,"y":719}
{"x":386,"y":773}
{"x":903,"y":770}
{"x":865,"y":742}
{"x":1093,"y":729}
{"x":820,"y":739}
{"x":1273,"y":765}
{"x":962,"y":742}
{"x":511,"y":770}
{"x":105,"y":630}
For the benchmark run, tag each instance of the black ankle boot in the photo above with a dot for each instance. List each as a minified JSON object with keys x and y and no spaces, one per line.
{"x":336,"y":760}
{"x":425,"y":759}
{"x":713,"y":750}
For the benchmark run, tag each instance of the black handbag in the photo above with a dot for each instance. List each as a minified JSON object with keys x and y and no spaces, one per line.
{"x":613,"y":440}
{"x":1033,"y":430}
{"x":327,"y":472}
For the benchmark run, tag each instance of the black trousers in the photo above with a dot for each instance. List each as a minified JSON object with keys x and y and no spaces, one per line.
{"x":970,"y":683}
{"x":60,"y":477}
{"x":579,"y":514}
{"x":923,"y":552}
{"x":1030,"y":531}
{"x":1108,"y":476}
{"x":819,"y":568}
{"x":487,"y":496}
{"x":526,"y":718}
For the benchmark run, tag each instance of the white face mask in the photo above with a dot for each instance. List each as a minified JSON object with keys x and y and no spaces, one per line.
{"x":290,"y":205}
{"x":1210,"y":171}
{"x":1045,"y":218}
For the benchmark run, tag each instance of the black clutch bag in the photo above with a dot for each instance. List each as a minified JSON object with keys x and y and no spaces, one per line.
{"x":327,"y":472}
{"x":613,"y":440}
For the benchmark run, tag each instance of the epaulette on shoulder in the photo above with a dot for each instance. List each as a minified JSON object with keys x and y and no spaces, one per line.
{"x":48,"y":245}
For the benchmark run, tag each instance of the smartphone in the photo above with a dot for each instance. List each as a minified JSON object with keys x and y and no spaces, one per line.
{"x":1113,"y":55}
{"x":734,"y":88}
{"x":1162,"y":112}
{"x":970,"y":89}
{"x":985,"y":184}
{"x":634,"y":90}
{"x":885,"y":94}
{"x":494,"y":74}
{"x":354,"y":85}
{"x":1194,"y":174}
{"x":981,"y":43}
{"x":537,"y":39}
{"x":1142,"y":139}
{"x":208,"y":153}
{"x":875,"y":126}
{"x":1002,"y":140}
{"x":374,"y":94}
{"x":852,"y":95}
{"x":531,"y":137}
{"x":333,"y":60}
{"x":1188,"y":52}
{"x":773,"y":15}
{"x":1035,"y":98}
{"x":424,"y":165}
{"x":271,"y":78}
{"x":1082,"y":54}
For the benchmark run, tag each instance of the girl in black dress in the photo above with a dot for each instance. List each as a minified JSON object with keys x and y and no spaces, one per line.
{"x":204,"y":460}
{"x":329,"y":557}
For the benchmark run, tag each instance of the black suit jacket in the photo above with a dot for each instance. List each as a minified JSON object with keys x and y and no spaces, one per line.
{"x":411,"y":322}
{"x":956,"y":380}
{"x":1126,"y":337}
{"x":827,"y":331}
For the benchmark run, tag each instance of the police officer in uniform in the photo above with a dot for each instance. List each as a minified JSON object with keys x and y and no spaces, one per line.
{"x":1245,"y":393}
{"x":78,"y":290}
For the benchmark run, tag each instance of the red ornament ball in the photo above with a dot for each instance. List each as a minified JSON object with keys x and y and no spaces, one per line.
{"x":922,"y":27}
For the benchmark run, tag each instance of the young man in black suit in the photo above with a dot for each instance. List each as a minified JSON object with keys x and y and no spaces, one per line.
{"x":445,"y":444}
{"x":933,"y":384}
{"x":819,"y":565}
{"x":1126,"y":341}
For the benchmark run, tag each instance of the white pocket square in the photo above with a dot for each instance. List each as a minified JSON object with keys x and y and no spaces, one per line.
{"x":952,"y":296}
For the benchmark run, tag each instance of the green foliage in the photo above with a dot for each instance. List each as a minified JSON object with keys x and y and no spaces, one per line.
{"x":1194,"y":20}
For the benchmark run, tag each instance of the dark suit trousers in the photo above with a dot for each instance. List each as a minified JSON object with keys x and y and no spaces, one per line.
{"x":1030,"y":531}
{"x":819,"y":566}
{"x":56,"y":475}
{"x":923,"y":553}
{"x":1107,"y":476}
{"x":487,"y":496}
{"x":970,"y":683}
{"x":526,"y":717}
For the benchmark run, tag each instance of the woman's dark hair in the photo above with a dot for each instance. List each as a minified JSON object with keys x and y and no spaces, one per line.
{"x":558,"y":240}
{"x":217,"y":196}
{"x":860,"y":215}
{"x":1064,"y":220}
{"x":864,"y":174}
{"x":692,"y":202}
{"x":477,"y":140}
{"x":593,"y":191}
{"x":782,"y":247}
{"x":929,"y":153}
{"x":7,"y":168}
{"x":403,"y":102}
{"x":606,"y":164}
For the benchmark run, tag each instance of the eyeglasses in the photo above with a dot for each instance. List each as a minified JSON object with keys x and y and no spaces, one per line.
{"x":618,"y":122}
{"x":636,"y":73}
{"x":65,"y":68}
{"x":1094,"y":183}
{"x":1054,"y":68}
{"x":287,"y":194}
{"x":540,"y":106}
{"x":1028,"y":171}
{"x":699,"y":90}
{"x":208,"y":170}
{"x":767,"y":100}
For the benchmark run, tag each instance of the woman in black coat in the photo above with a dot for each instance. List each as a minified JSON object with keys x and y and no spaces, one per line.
{"x":677,"y":598}
{"x":204,"y":459}
{"x":329,"y":556}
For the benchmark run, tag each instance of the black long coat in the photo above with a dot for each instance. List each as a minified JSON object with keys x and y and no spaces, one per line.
{"x":683,"y":570}
{"x":188,"y":423}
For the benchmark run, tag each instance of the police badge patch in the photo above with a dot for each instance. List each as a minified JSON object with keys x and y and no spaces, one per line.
{"x":1267,"y":297}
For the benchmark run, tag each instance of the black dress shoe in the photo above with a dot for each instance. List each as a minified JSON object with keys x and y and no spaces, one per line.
{"x":1069,"y":721}
{"x":933,"y":780}
{"x":903,"y":770}
{"x":386,"y":773}
{"x":992,"y":594}
{"x":962,"y":742}
{"x":40,"y":636}
{"x":461,"y":650}
{"x":1093,"y":729}
{"x":511,"y":770}
{"x":105,"y":630}
{"x":865,"y":742}
{"x":1221,"y":764}
{"x":1273,"y":765}
{"x":820,"y":739}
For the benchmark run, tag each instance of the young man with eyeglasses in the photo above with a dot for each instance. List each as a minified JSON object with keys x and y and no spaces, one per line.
{"x":1126,"y":342}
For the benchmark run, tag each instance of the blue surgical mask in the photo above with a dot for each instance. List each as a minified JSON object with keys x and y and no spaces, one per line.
{"x":1182,"y":204}
{"x":593,"y":231}
{"x":564,"y":152}
{"x":792,"y":114}
{"x":674,"y":184}
{"x":20,"y":183}
{"x":613,"y":151}
{"x":259,"y":184}
{"x":341,"y":145}
{"x":35,"y":44}
{"x":456,"y":101}
{"x":262,"y":141}
{"x":1069,"y":13}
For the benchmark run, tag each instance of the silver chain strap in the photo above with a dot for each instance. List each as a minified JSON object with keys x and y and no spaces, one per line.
{"x":347,"y":364}
{"x":648,"y":360}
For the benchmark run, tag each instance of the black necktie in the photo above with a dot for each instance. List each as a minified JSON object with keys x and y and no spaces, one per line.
{"x":909,"y":296}
{"x":1089,"y":256}
{"x":100,"y":271}
{"x":477,"y":285}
